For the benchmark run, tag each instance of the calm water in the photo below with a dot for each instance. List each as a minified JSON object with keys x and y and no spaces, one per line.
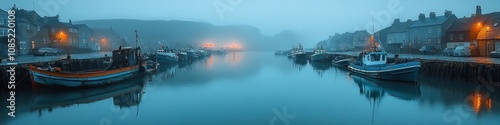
{"x":259,"y":88}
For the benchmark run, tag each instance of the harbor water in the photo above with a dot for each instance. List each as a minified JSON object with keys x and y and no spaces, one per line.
{"x":259,"y":88}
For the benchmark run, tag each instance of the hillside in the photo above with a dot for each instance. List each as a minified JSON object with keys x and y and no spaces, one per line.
{"x":182,"y":33}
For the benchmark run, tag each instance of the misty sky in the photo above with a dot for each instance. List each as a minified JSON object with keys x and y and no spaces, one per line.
{"x":314,"y":21}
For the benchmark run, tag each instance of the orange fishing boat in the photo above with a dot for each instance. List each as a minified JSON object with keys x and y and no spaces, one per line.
{"x":124,"y":65}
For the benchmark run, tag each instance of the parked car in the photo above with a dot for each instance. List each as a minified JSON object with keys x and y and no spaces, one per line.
{"x":495,"y":54}
{"x":448,"y":51}
{"x":46,"y":51}
{"x":462,"y":51}
{"x":428,"y":50}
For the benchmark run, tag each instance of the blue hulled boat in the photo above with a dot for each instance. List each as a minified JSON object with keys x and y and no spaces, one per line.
{"x":374,"y":64}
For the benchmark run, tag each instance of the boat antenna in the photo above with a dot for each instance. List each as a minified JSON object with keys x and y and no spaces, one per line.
{"x":136,"y":39}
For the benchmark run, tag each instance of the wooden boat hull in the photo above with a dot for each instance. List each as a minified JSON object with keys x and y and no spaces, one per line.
{"x":407,"y":72}
{"x":81,"y":79}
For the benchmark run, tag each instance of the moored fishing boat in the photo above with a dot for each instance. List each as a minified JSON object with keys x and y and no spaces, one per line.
{"x":299,"y":54}
{"x":124,"y":65}
{"x":165,"y":56}
{"x":342,"y":61}
{"x":374,"y":64}
{"x":191,"y":54}
{"x":126,"y":62}
{"x":320,"y":55}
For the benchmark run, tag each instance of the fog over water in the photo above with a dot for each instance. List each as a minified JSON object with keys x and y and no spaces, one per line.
{"x":313,"y":21}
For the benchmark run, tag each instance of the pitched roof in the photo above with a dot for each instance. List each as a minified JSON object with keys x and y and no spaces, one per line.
{"x":398,"y":27}
{"x":3,"y":11}
{"x":26,"y":16}
{"x":429,"y":21}
{"x":82,"y":26}
{"x":68,"y":24}
{"x":105,"y":32}
{"x":466,"y":24}
{"x":491,"y":27}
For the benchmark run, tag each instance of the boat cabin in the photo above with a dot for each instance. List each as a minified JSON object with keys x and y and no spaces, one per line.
{"x":375,"y":58}
{"x":319,"y":51}
{"x":125,"y":58}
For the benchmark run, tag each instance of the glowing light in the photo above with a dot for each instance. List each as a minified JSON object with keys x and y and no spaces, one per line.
{"x":209,"y":45}
{"x":488,"y":104}
{"x":478,"y":24}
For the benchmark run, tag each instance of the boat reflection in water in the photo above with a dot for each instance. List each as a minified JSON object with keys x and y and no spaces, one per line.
{"x":399,"y":90}
{"x":374,"y":90}
{"x":125,"y":94}
{"x":320,"y":67}
{"x":299,"y":64}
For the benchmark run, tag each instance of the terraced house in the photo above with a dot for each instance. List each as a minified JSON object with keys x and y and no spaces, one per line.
{"x":430,"y":31}
{"x":31,"y":32}
{"x":3,"y":32}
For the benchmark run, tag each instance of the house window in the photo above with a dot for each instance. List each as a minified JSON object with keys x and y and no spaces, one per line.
{"x":32,"y":44}
{"x":3,"y":32}
{"x":53,"y":30}
{"x":83,"y":41}
{"x":461,"y":36}
{"x":451,"y":36}
{"x":2,"y":21}
{"x":438,"y":40}
{"x":22,"y":45}
{"x":438,"y":29}
{"x":429,"y":41}
{"x":28,"y":27}
{"x":38,"y":28}
{"x":430,"y":30}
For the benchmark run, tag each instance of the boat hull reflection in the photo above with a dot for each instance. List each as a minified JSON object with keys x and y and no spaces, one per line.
{"x":395,"y":89}
{"x":49,"y":99}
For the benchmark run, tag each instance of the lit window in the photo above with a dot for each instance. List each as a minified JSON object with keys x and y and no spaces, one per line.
{"x":32,"y":44}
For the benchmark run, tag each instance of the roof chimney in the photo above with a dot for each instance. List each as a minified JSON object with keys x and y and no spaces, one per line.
{"x":448,"y":13}
{"x":421,"y":16}
{"x":70,"y":21}
{"x":478,"y":10}
{"x":432,"y":15}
